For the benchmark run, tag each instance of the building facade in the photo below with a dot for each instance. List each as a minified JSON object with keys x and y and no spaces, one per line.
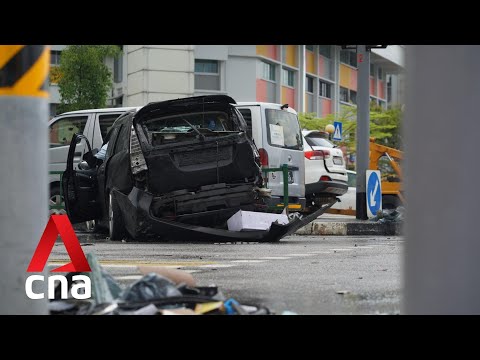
{"x":310,"y":78}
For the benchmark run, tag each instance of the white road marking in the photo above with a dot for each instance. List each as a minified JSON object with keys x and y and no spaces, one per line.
{"x":215,"y":266}
{"x":128,"y":277}
{"x":275,"y":258}
{"x":300,"y":255}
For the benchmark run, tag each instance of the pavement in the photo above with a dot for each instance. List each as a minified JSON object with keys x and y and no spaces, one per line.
{"x":345,"y":225}
{"x":302,"y":274}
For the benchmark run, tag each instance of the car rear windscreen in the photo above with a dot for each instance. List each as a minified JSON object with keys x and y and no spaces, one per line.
{"x":313,"y":140}
{"x":181,"y":127}
{"x":283,"y":129}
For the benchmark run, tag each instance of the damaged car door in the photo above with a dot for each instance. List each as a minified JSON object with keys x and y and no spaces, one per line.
{"x":80,"y":187}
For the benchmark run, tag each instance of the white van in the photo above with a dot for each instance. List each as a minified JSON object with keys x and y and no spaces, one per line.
{"x":274,"y":128}
{"x":276,"y":131}
{"x":94,"y":124}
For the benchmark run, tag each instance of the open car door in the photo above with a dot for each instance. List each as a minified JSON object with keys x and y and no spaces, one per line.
{"x":80,"y":187}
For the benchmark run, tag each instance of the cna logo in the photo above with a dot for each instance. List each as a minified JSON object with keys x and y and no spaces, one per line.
{"x":59,"y":225}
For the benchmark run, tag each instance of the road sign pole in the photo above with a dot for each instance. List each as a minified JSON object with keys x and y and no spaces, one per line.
{"x":363,"y":128}
{"x":24,"y":179}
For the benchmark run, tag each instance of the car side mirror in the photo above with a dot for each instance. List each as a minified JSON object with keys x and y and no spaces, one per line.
{"x":83,"y":165}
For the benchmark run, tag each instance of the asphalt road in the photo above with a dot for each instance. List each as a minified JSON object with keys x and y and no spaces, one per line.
{"x":301,"y":274}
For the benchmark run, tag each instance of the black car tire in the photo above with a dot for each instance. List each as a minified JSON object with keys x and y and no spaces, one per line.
{"x":116,"y":226}
{"x":390,"y":202}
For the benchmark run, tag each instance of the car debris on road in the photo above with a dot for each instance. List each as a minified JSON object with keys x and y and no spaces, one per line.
{"x":160,"y":292}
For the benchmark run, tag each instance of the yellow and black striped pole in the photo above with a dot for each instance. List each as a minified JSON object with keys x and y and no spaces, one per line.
{"x":23,"y":170}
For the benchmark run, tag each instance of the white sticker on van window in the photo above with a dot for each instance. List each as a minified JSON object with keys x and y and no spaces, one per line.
{"x":276,"y":135}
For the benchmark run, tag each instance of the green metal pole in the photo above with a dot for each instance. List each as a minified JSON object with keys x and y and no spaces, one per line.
{"x":285,"y":186}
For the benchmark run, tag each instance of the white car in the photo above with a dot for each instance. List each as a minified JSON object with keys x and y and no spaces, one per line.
{"x":348,"y":201}
{"x":325,"y":171}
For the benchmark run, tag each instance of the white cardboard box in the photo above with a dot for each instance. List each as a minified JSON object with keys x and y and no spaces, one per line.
{"x":250,"y":220}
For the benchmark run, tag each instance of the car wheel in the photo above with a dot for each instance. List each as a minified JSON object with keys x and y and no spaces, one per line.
{"x":116,"y":227}
{"x":390,"y":202}
{"x":56,"y":199}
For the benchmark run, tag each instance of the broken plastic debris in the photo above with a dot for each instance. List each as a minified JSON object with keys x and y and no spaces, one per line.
{"x":176,"y":276}
{"x":180,"y":311}
{"x":150,"y":287}
{"x":208,"y":307}
{"x":150,"y":309}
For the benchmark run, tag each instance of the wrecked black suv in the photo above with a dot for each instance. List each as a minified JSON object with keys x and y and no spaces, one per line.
{"x":173,"y":169}
{"x":186,"y":160}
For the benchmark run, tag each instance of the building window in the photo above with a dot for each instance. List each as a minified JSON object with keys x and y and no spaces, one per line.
{"x":288,"y":77}
{"x":389,"y":88}
{"x":325,"y":50}
{"x":353,"y":97}
{"x":380,"y":73}
{"x":325,"y":89}
{"x":55,"y":57}
{"x":348,"y":57}
{"x":309,"y":84}
{"x":309,"y":47}
{"x":348,"y":96}
{"x":268,"y":71}
{"x":343,"y":94}
{"x":206,"y":66}
{"x":118,"y":69}
{"x":372,"y":70}
{"x":207,"y":76}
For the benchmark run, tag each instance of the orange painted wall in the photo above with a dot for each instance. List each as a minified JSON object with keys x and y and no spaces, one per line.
{"x":353,"y":79}
{"x":381,"y":90}
{"x":321,"y":66}
{"x":262,"y":90}
{"x":291,"y":55}
{"x":344,"y":76}
{"x":326,"y":106}
{"x":310,"y":62}
{"x":372,"y":86}
{"x":288,"y":96}
{"x":269,"y":51}
{"x":348,"y":77}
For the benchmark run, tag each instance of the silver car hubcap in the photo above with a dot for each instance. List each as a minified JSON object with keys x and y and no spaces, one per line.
{"x":56,"y":200}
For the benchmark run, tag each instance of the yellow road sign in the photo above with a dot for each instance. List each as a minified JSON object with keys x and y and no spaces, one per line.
{"x":24,"y":70}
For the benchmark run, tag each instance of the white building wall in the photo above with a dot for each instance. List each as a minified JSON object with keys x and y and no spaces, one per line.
{"x":241,"y":78}
{"x":159,"y":72}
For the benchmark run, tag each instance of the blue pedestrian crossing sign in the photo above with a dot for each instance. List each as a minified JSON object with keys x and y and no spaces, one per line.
{"x":337,"y":133}
{"x":374,"y":193}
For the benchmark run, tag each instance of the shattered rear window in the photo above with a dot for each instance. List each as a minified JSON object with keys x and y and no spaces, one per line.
{"x":181,"y":127}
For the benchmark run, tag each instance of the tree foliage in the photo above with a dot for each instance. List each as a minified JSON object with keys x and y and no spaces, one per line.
{"x":384,"y":125}
{"x":85,"y":79}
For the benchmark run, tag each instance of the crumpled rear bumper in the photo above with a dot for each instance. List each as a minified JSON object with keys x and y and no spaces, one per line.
{"x":142,"y":225}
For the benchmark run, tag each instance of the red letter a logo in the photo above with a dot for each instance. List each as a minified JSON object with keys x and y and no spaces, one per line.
{"x":59,"y":224}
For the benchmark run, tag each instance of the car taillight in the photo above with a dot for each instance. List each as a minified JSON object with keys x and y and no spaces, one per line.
{"x":317,"y":154}
{"x":325,"y":178}
{"x":137,"y":160}
{"x":263,"y":156}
